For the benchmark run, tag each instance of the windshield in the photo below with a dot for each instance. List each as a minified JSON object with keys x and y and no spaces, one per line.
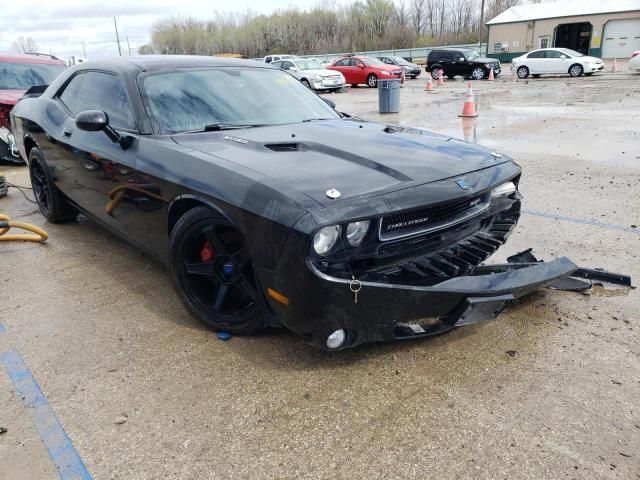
{"x":190,"y":100}
{"x":308,"y":65}
{"x":471,"y":55}
{"x":372,"y":62}
{"x":400,"y":61}
{"x":570,"y":52}
{"x":21,"y":76}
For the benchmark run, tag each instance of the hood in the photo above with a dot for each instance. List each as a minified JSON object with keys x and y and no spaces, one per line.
{"x":590,"y":59}
{"x":324,"y":72}
{"x":356,"y":158}
{"x":10,"y":97}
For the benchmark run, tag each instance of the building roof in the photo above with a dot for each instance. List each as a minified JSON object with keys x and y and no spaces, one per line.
{"x":565,"y":8}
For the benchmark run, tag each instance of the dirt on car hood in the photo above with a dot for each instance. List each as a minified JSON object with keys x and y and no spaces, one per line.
{"x":356,"y":158}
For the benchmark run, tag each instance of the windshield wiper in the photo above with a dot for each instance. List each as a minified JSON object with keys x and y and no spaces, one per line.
{"x":216,"y":127}
{"x":314,"y":119}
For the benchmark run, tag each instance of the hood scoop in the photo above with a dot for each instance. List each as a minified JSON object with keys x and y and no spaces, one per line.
{"x":283,"y":147}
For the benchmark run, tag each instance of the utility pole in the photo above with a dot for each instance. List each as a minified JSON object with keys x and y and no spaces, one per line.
{"x":128,"y":46}
{"x":481,"y":27}
{"x":117,"y":36}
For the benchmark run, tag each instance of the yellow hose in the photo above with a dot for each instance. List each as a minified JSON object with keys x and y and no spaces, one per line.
{"x":6,"y":224}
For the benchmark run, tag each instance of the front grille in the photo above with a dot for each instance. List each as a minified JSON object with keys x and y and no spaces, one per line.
{"x":423,"y":220}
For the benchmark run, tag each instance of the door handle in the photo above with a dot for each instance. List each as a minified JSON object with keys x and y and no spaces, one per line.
{"x":66,"y":132}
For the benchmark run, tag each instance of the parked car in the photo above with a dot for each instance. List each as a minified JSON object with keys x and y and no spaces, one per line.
{"x":555,"y":60}
{"x":270,"y":208}
{"x":360,"y":69}
{"x":634,"y":61}
{"x":411,"y":70}
{"x":275,"y":58}
{"x":18,"y":73}
{"x":312,"y":74}
{"x":460,"y":61}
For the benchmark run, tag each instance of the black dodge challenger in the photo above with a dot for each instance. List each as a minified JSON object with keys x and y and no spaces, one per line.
{"x":272,"y":209}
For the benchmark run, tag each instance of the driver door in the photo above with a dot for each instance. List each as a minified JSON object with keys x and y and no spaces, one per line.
{"x":360,"y":70}
{"x":94,"y":172}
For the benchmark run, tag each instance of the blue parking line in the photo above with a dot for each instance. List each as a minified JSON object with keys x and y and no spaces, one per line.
{"x":583,"y":221}
{"x":2,"y":329}
{"x":55,"y":439}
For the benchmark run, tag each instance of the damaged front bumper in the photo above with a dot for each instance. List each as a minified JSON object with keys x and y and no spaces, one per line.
{"x":385,"y":311}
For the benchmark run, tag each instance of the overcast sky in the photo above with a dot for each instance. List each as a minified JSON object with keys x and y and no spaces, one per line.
{"x":62,"y":26}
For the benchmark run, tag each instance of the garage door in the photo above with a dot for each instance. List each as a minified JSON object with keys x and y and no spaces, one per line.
{"x":621,"y":38}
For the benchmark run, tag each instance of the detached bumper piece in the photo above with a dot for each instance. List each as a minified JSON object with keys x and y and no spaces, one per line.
{"x":489,"y":289}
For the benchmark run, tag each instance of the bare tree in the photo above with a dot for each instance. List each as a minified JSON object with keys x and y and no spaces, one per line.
{"x":25,"y":45}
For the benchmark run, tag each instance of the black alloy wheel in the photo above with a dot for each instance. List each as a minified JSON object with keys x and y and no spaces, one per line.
{"x":213,"y":274}
{"x":51,"y":202}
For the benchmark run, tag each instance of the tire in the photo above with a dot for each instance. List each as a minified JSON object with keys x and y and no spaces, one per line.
{"x":478,"y":73}
{"x":372,"y":81}
{"x":52,"y":203}
{"x":306,"y":83}
{"x":434,"y":71}
{"x":522,"y":72}
{"x":576,"y":70}
{"x":212,"y":273}
{"x":536,"y":75}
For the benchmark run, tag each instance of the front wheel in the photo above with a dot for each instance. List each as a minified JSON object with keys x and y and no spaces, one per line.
{"x":522,"y":72}
{"x":372,"y":81}
{"x":575,"y":70}
{"x":477,"y":73}
{"x":213,"y":274}
{"x":435,"y":72}
{"x":305,"y":82}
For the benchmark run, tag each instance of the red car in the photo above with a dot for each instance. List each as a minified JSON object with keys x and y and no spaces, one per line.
{"x":369,"y":70}
{"x":18,"y":73}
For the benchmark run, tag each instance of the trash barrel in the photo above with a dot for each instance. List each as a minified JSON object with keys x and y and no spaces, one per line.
{"x":389,"y":96}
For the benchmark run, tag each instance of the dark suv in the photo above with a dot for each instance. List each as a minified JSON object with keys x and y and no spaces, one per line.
{"x":461,"y":61}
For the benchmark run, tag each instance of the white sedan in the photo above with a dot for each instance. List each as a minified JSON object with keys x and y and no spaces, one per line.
{"x":634,"y":61}
{"x":312,"y":75}
{"x":555,"y":60}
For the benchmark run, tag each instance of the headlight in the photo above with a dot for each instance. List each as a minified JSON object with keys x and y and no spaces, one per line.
{"x":356,"y":232}
{"x":384,"y":72}
{"x":503,"y":190}
{"x":325,"y":239}
{"x":317,"y":78}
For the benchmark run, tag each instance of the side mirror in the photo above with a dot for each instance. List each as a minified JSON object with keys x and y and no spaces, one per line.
{"x":293,"y":69}
{"x":92,"y":120}
{"x":461,"y":59}
{"x":96,"y":121}
{"x":329,"y":102}
{"x":360,"y":65}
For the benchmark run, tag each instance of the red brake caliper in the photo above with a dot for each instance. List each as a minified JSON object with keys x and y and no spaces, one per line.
{"x":206,"y":252}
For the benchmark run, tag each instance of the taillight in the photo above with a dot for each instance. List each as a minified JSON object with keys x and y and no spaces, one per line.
{"x":4,"y":116}
{"x":635,"y":54}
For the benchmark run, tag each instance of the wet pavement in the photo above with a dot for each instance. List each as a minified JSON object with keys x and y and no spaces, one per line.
{"x":551,"y":389}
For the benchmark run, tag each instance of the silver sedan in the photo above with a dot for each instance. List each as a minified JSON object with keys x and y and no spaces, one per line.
{"x":312,"y":74}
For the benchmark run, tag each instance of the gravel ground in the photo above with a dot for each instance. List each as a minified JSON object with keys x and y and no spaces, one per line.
{"x":145,"y":392}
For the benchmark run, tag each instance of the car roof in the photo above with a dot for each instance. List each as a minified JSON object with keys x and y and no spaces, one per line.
{"x":30,"y":59}
{"x":452,"y":49}
{"x":154,"y":63}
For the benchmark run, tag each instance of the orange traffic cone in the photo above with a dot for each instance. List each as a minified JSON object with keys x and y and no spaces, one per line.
{"x":440,"y":77}
{"x":614,"y":68}
{"x":491,"y":75}
{"x":429,"y":86}
{"x":469,"y":107}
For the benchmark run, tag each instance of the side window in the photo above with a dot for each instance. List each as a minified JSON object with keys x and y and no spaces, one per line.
{"x":99,"y":91}
{"x":287,"y":65}
{"x":343,"y":63}
{"x":552,"y":54}
{"x":447,"y":57}
{"x":268,"y":60}
{"x":277,"y":64}
{"x":539,"y":54}
{"x":355,"y":62}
